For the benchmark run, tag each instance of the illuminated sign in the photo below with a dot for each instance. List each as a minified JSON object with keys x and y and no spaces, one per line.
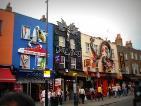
{"x":47,"y":73}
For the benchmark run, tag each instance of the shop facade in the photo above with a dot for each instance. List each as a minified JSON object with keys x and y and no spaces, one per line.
{"x":7,"y":78}
{"x":129,"y":61}
{"x":67,"y":55}
{"x":31,"y":46}
{"x":100,"y":61}
{"x":25,"y":46}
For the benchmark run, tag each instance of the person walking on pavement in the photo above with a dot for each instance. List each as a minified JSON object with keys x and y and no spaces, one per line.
{"x":82,"y":94}
{"x":100,"y":95}
{"x":42,"y":98}
{"x":60,"y":95}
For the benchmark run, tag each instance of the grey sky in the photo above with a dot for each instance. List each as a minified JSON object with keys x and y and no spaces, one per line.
{"x":103,"y":18}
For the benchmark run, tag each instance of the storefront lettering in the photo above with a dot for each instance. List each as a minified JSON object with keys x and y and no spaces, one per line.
{"x":67,"y":51}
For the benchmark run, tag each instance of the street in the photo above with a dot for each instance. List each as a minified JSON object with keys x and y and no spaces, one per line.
{"x":122,"y":101}
{"x":125,"y":102}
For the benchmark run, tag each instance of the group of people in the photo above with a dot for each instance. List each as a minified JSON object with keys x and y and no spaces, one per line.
{"x":121,"y":90}
{"x":54,"y":97}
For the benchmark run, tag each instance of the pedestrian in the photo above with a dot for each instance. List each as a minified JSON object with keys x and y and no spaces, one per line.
{"x":49,"y":97}
{"x":100,"y":95}
{"x":82,"y":94}
{"x":60,"y":95}
{"x":16,"y":99}
{"x":42,"y":98}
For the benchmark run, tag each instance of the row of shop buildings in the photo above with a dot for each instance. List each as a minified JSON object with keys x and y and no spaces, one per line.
{"x":30,"y":46}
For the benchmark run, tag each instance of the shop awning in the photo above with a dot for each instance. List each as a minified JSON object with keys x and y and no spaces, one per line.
{"x":6,"y":75}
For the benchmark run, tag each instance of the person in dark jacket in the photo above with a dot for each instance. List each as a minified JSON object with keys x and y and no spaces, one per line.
{"x":16,"y":99}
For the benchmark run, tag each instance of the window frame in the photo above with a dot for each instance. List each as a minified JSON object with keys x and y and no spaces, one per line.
{"x":62,"y":43}
{"x":73,"y":64}
{"x":87,"y":47}
{"x":62,"y":63}
{"x":132,"y":55}
{"x":113,"y":54}
{"x":38,"y":65}
{"x":21,"y":62}
{"x":22,"y":36}
{"x":126,"y":56}
{"x":72,"y":43}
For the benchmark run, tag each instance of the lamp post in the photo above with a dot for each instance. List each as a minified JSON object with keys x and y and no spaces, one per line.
{"x":75,"y":90}
{"x":46,"y":78}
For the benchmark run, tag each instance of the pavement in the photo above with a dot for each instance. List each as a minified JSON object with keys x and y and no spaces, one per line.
{"x":107,"y":101}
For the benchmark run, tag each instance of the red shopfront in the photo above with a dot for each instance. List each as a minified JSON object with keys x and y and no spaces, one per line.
{"x":7,"y":80}
{"x":104,"y":79}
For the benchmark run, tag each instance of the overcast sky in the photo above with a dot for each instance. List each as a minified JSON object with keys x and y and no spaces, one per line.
{"x":103,"y":18}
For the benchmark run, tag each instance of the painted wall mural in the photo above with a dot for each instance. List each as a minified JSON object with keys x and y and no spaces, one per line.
{"x":103,"y":59}
{"x":34,"y":48}
{"x":106,"y":57}
{"x":25,"y":61}
{"x":25,"y":34}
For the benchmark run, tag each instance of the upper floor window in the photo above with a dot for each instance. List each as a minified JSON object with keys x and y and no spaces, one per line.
{"x":126,"y":56}
{"x":87,"y":63}
{"x":41,"y":62}
{"x":87,"y":47}
{"x":0,"y":27}
{"x":72,"y":43}
{"x":132,"y":55}
{"x":127,"y":70}
{"x":25,"y":34}
{"x":73,"y":63}
{"x":113,"y":55}
{"x":136,"y":56}
{"x":95,"y":48}
{"x":61,"y":41}
{"x":62,"y":62}
{"x":25,"y":61}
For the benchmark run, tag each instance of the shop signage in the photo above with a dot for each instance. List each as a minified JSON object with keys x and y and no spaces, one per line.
{"x":37,"y":50}
{"x":58,"y":82}
{"x":67,"y":51}
{"x":47,"y":74}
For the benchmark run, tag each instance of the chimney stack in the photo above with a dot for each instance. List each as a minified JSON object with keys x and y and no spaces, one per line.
{"x":8,"y":7}
{"x":129,"y":44}
{"x":43,"y":18}
{"x":118,"y":40}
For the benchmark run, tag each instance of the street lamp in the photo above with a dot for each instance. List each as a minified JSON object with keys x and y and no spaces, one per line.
{"x":46,"y":76}
{"x":75,"y":90}
{"x":46,"y":72}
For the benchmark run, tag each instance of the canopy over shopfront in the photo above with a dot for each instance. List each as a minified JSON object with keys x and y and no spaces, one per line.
{"x":7,"y":76}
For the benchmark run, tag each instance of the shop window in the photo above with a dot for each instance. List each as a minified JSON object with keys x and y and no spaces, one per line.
{"x":61,"y":41}
{"x":25,"y":61}
{"x":41,"y":62}
{"x":72,"y":43}
{"x":0,"y":27}
{"x":62,"y":62}
{"x":73,"y":63}
{"x":25,"y":33}
{"x":87,"y":47}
